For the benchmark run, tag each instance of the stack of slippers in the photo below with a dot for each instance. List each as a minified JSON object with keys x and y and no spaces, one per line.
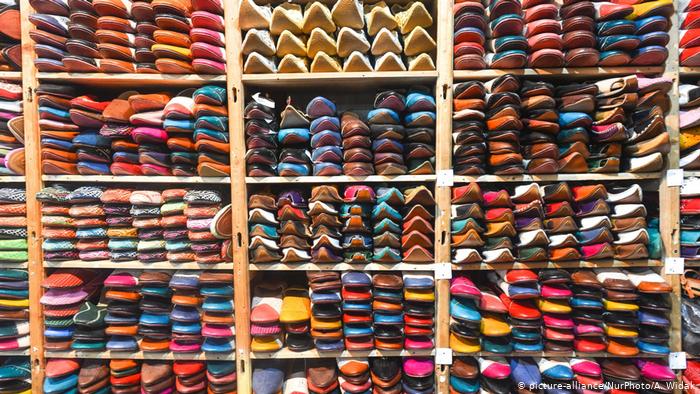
{"x":470,"y":29}
{"x":265,"y":311}
{"x":201,"y":208}
{"x":10,"y":34}
{"x":211,"y":137}
{"x":88,"y":376}
{"x":468,"y":125}
{"x":326,"y":313}
{"x":16,"y":375}
{"x":325,"y":138}
{"x":218,"y":328}
{"x":125,"y":375}
{"x":159,"y":37}
{"x":326,"y":236}
{"x":13,"y":226}
{"x":11,"y":129}
{"x":606,"y":309}
{"x":689,"y":100}
{"x":263,"y":229}
{"x":186,"y":327}
{"x":294,"y":139}
{"x":295,"y":316}
{"x":552,"y":223}
{"x":419,"y":311}
{"x":122,"y":297}
{"x":89,"y":325}
{"x":503,"y":126}
{"x":298,"y":38}
{"x":688,"y":34}
{"x":690,"y":219}
{"x":358,"y":329}
{"x":14,"y":304}
{"x":66,"y":292}
{"x":506,"y":44}
{"x":261,"y":136}
{"x":154,"y":323}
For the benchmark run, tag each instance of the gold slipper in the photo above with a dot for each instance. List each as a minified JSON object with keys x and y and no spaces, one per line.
{"x":418,"y":41}
{"x":293,"y":64}
{"x":348,"y":13}
{"x":286,"y":16}
{"x":290,"y":44}
{"x":422,"y":62}
{"x":357,"y":62}
{"x":389,"y":62}
{"x":316,"y":14}
{"x":377,"y":16}
{"x":386,"y":41}
{"x":323,"y":63}
{"x":253,"y":16}
{"x":320,"y":41}
{"x":350,"y":40}
{"x":256,"y":63}
{"x":259,"y":41}
{"x":411,"y":16}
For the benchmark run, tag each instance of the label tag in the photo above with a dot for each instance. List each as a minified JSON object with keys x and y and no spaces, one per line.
{"x":445,"y":178}
{"x":674,"y":177}
{"x":443,"y":271}
{"x":676,"y":360}
{"x":443,"y":356}
{"x":674,"y":265}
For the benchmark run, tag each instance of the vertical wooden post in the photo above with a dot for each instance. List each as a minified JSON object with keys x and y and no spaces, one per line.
{"x":239,"y":196}
{"x":32,"y":148}
{"x":443,"y":161}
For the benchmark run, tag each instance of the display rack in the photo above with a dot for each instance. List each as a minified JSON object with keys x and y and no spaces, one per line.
{"x":236,"y":83}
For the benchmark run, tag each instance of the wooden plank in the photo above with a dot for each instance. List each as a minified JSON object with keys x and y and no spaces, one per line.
{"x":562,"y":264}
{"x":370,"y":79}
{"x":342,"y":267}
{"x":13,"y":179}
{"x":623,"y":176}
{"x":11,"y":75}
{"x":32,"y":149}
{"x":137,"y":179}
{"x":106,"y":264}
{"x":288,"y":354}
{"x":133,"y":80}
{"x":141,"y":355}
{"x":239,"y":197}
{"x":556,"y":73}
{"x":340,"y":179}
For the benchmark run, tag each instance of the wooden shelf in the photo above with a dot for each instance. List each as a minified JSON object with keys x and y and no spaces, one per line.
{"x":13,"y":179}
{"x":286,"y":354}
{"x":132,"y":80}
{"x":340,"y":179}
{"x":14,"y":265}
{"x":557,"y":354}
{"x":136,"y":179}
{"x":140,"y":355}
{"x":557,"y":73}
{"x":14,"y":353}
{"x":341,"y":267}
{"x":11,"y":75}
{"x":106,"y":264}
{"x":688,"y":174}
{"x":623,"y":176}
{"x":689,"y":71}
{"x":354,"y":79}
{"x":552,"y":264}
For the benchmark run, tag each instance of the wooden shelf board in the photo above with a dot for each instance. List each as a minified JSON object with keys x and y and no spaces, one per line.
{"x":11,"y":75}
{"x":136,"y":179}
{"x":341,"y":267}
{"x":689,"y":71}
{"x":557,"y":177}
{"x":340,"y":179}
{"x":13,"y":179}
{"x":14,"y":353}
{"x":558,"y":354}
{"x":552,"y":264}
{"x":688,"y":174}
{"x":691,"y":263}
{"x":106,"y":264}
{"x":344,"y":78}
{"x":559,"y":73}
{"x":286,"y":354}
{"x":139,"y":355}
{"x":132,"y":80}
{"x":14,"y":265}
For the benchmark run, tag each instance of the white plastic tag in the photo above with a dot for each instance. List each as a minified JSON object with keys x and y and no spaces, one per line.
{"x":674,"y":177}
{"x":676,"y":360}
{"x":443,"y":356}
{"x":445,"y":178}
{"x":443,"y":271}
{"x":674,"y":265}
{"x":258,"y":97}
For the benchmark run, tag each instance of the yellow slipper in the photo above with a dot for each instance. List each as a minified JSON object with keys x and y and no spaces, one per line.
{"x":690,"y":138}
{"x":256,"y":63}
{"x":651,"y":8}
{"x":422,"y":62}
{"x":418,"y":41}
{"x":317,"y":15}
{"x":320,"y":41}
{"x":411,"y":16}
{"x":464,"y":345}
{"x":325,"y":324}
{"x":377,"y":16}
{"x":259,"y":41}
{"x":296,"y":306}
{"x":348,"y":13}
{"x":554,"y":306}
{"x":494,"y":325}
{"x":266,"y":343}
{"x":253,"y":16}
{"x":620,"y":332}
{"x":357,"y":62}
{"x":286,"y":16}
{"x":616,"y":306}
{"x":324,"y":63}
{"x":290,"y":44}
{"x":419,"y":294}
{"x":350,"y":40}
{"x":389,"y":62}
{"x":293,"y":64}
{"x":386,"y":41}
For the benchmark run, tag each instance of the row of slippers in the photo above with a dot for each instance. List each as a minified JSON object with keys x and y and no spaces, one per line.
{"x":690,"y":219}
{"x":622,"y":312}
{"x":163,"y":36}
{"x":556,"y":222}
{"x":689,"y":101}
{"x":284,"y":38}
{"x":688,"y":34}
{"x":529,"y":34}
{"x":134,"y":134}
{"x":394,"y":137}
{"x":11,"y":129}
{"x":536,"y":127}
